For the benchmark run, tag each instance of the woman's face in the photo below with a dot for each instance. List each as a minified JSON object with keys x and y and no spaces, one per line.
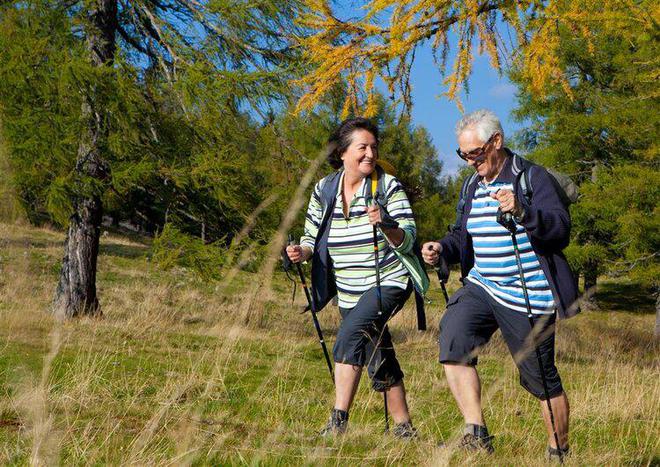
{"x":360,"y":157}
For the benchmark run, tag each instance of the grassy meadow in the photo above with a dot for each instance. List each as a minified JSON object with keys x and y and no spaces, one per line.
{"x":179,"y":371}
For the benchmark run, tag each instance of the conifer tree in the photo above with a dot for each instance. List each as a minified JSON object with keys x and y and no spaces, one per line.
{"x":197,"y":48}
{"x":379,"y":41}
{"x":604,"y":133}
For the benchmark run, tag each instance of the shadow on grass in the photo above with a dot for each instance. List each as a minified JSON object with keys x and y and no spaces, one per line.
{"x":124,"y":251}
{"x":652,"y":462}
{"x":30,"y":243}
{"x":105,"y":248}
{"x":625,"y":296}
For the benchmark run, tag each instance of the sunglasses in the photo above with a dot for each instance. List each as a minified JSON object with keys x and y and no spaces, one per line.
{"x":476,"y":155}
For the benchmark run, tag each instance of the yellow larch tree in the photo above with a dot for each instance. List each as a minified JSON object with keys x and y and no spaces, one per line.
{"x":380,"y":43}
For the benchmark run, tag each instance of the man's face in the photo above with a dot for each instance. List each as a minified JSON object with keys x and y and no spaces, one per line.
{"x":486,"y":164}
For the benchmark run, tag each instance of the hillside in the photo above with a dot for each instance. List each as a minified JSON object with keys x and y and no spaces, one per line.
{"x":184,"y":372}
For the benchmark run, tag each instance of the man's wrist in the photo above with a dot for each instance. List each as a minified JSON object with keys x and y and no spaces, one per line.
{"x":519,"y":215}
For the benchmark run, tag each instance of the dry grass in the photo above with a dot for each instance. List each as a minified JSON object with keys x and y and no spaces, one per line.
{"x":173,"y":375}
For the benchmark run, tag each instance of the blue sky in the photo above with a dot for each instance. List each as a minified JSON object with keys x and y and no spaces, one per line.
{"x":436,"y":113}
{"x":439,"y":115}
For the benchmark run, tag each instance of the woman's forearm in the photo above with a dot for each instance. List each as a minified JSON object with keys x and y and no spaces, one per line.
{"x":394,"y":236}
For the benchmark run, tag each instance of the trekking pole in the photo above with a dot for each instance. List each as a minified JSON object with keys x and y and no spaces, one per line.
{"x":380,"y":313}
{"x":506,"y":221}
{"x":315,"y":319}
{"x":443,"y":274}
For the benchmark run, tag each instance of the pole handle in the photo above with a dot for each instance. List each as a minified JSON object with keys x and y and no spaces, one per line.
{"x":505,"y":219}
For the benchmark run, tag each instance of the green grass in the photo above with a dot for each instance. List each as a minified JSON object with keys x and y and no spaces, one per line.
{"x":172,"y":374}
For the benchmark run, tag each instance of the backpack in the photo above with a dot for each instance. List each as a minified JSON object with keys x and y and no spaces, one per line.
{"x":522,"y":170}
{"x":376,"y":190}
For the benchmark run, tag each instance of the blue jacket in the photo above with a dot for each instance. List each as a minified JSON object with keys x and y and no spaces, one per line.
{"x":548,"y":225}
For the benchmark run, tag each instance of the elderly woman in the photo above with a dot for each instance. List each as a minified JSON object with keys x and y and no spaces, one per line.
{"x":339,"y":239}
{"x":493,"y":295}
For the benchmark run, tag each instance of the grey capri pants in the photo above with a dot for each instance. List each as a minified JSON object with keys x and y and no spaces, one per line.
{"x":360,"y":330}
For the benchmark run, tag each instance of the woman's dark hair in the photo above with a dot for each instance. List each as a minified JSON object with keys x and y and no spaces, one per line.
{"x":341,"y":139}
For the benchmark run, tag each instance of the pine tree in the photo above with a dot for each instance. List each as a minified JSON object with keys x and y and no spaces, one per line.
{"x":604,"y":133}
{"x":201,"y":52}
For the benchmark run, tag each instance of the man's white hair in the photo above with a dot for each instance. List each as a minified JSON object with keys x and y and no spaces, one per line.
{"x":484,"y":121}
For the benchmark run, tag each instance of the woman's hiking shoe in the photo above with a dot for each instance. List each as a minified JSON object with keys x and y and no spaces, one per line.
{"x":556,"y":454}
{"x":404,"y":430}
{"x":476,"y":438}
{"x":337,"y":423}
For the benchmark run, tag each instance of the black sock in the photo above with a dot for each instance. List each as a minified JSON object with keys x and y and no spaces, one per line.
{"x":340,"y":415}
{"x":480,"y":431}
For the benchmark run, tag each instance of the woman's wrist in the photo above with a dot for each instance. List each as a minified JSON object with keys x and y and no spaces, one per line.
{"x":307,"y":253}
{"x":394,"y":236}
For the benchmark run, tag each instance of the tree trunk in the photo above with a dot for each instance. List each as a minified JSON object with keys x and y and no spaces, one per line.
{"x":76,"y":290}
{"x":590,"y":281}
{"x":657,"y":315}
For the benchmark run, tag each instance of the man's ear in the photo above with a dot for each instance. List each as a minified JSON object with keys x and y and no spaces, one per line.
{"x":499,"y":141}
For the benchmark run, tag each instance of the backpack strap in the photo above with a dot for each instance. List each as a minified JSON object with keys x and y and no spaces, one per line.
{"x":522,"y":169}
{"x":460,"y":207}
{"x":376,"y":185}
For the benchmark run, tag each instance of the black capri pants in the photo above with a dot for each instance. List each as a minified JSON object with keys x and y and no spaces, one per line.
{"x":359,"y":332}
{"x":473,"y":316}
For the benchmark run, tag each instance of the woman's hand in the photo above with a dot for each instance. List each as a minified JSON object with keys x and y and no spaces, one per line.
{"x":297,"y":253}
{"x":374,"y":214}
{"x":431,"y":252}
{"x":393,"y":234}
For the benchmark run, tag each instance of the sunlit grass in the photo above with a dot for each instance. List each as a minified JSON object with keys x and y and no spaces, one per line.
{"x":172,"y":375}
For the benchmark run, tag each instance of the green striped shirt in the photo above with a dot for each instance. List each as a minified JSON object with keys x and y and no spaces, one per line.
{"x":350,"y":240}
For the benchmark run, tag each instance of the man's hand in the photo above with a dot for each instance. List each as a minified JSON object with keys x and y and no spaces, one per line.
{"x":297,"y":253}
{"x":431,"y":252}
{"x":508,"y":202}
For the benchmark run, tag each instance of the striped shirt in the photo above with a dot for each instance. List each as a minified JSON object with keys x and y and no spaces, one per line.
{"x":350,"y":240}
{"x":495,"y":268}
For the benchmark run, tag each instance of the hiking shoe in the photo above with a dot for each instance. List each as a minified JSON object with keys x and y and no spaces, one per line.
{"x":556,"y":454}
{"x":337,"y":423}
{"x":404,"y":430}
{"x":476,"y":438}
{"x":470,"y":442}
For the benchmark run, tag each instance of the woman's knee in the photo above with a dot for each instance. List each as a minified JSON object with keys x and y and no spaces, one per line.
{"x":349,"y":348}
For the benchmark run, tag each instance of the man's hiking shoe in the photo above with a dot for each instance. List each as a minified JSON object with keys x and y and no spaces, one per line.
{"x":476,"y":438}
{"x":337,"y":423}
{"x":556,"y":455}
{"x":404,"y":431}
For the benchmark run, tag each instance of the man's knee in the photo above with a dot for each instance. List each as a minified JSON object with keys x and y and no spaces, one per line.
{"x":532,"y":381}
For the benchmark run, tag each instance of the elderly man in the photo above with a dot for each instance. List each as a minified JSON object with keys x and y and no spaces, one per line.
{"x":492,"y":296}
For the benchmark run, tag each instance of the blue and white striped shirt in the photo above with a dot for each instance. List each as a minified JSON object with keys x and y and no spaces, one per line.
{"x":495,"y":268}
